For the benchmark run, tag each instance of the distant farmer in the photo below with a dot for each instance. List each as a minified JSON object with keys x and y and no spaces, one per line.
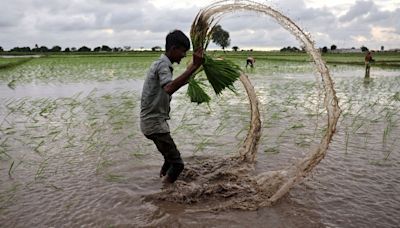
{"x":156,"y":96}
{"x":250,"y":61}
{"x":368,"y":61}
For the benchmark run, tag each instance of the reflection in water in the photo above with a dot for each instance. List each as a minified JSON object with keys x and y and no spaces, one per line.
{"x":367,"y":82}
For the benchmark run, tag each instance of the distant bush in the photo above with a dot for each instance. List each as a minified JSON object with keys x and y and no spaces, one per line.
{"x":290,"y":49}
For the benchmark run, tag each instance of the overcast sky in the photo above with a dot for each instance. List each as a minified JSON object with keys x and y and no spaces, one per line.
{"x":144,"y":23}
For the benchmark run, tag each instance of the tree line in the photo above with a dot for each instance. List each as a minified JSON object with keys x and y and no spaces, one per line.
{"x":219,"y":37}
{"x":104,"y":48}
{"x":324,"y":49}
{"x":44,"y":49}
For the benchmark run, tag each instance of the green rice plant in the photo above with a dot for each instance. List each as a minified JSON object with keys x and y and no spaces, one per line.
{"x":221,"y":126}
{"x":114,"y":178}
{"x":201,"y":145}
{"x":347,"y":136}
{"x":41,"y":170}
{"x":296,"y":126}
{"x":386,"y":133}
{"x":220,"y":73}
{"x":55,"y":187}
{"x":3,"y":149}
{"x":14,"y":63}
{"x":272,"y":150}
{"x":396,"y":96}
{"x":243,"y":129}
{"x":137,"y":154}
{"x":37,"y":147}
{"x":9,"y":131}
{"x":366,"y":135}
{"x":391,"y":149}
{"x":10,"y":169}
{"x":196,"y":92}
{"x":302,"y":141}
{"x":103,"y":164}
{"x":389,"y":126}
{"x":275,"y":116}
{"x":12,"y":84}
{"x":7,"y":196}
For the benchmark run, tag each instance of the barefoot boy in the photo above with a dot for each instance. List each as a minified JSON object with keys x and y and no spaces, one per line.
{"x":156,"y":96}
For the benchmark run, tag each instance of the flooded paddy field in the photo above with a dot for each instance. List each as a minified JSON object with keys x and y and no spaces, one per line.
{"x":72,"y":154}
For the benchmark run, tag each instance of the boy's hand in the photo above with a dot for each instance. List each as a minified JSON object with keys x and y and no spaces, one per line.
{"x":198,"y":58}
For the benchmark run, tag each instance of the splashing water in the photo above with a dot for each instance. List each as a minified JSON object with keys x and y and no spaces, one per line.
{"x":231,"y":180}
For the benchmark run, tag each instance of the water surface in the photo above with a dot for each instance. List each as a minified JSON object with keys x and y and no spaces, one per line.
{"x":72,"y":154}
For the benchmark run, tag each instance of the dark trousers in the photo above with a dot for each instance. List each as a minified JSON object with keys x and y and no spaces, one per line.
{"x":173,"y":163}
{"x":367,"y":69}
{"x":249,"y":62}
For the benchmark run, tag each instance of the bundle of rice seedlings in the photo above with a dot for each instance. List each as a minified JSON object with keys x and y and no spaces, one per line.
{"x":220,"y":73}
{"x":196,"y":93}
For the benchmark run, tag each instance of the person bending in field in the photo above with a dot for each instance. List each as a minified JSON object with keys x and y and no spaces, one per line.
{"x":250,"y":61}
{"x":156,"y":96}
{"x":368,"y":61}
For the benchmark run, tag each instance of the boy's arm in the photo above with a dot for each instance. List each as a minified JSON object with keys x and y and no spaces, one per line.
{"x":180,"y":81}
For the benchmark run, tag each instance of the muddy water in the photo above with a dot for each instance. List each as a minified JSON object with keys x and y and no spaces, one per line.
{"x":78,"y":158}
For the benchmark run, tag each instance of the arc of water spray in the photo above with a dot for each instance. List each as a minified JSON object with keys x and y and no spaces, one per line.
{"x":248,"y":149}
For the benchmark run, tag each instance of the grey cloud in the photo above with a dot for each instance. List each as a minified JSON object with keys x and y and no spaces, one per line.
{"x":373,"y":17}
{"x":395,"y":20}
{"x":10,"y":15}
{"x":267,"y":38}
{"x":139,"y":23}
{"x":360,"y":8}
{"x":10,"y":18}
{"x":121,"y":2}
{"x":50,"y":4}
{"x":62,"y":22}
{"x":93,"y":15}
{"x":251,"y":21}
{"x":133,"y":19}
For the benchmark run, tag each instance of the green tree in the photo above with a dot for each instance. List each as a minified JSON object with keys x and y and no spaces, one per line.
{"x":333,"y":47}
{"x":290,"y":49}
{"x":55,"y":49}
{"x":1,"y":49}
{"x":40,"y":49}
{"x":221,"y":37}
{"x":43,"y":49}
{"x":21,"y":49}
{"x":97,"y":49}
{"x":67,"y":49}
{"x":324,"y":49}
{"x":364,"y":49}
{"x":235,"y":48}
{"x":105,"y":48}
{"x":156,"y":48}
{"x":84,"y":49}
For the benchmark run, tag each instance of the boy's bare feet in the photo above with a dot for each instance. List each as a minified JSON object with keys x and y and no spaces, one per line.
{"x":162,"y":173}
{"x":167,"y":180}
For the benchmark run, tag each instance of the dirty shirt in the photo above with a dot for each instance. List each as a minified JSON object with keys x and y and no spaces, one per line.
{"x":155,"y":102}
